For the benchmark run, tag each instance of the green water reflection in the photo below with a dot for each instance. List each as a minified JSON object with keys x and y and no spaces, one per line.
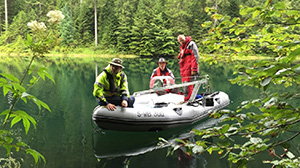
{"x":66,"y":136}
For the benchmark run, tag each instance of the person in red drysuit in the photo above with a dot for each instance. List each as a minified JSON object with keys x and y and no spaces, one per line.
{"x":188,"y":63}
{"x":162,"y":69}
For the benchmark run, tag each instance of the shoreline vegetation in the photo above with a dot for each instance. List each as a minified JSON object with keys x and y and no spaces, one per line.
{"x":73,"y":55}
{"x":96,"y":55}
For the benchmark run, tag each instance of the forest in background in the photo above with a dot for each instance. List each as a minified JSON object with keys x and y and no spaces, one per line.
{"x":139,"y":27}
{"x":271,"y":29}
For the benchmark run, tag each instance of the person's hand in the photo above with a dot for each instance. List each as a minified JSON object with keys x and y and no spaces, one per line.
{"x":111,"y":107}
{"x":193,"y":72}
{"x":124,"y":103}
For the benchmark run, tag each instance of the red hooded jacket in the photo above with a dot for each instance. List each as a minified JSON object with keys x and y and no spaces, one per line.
{"x":187,"y":62}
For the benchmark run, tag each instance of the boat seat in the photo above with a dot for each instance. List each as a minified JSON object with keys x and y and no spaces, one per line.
{"x":156,"y":100}
{"x":170,"y":98}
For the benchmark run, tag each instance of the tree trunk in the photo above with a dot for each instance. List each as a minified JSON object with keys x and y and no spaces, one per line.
{"x":216,"y":6}
{"x":6,"y":19}
{"x":96,"y":25}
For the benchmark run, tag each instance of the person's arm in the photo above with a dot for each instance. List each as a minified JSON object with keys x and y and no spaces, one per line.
{"x":125,"y":92}
{"x":153,"y":74}
{"x":99,"y":91}
{"x":171,"y":74}
{"x":124,"y":89}
{"x":99,"y":88}
{"x":194,"y":66}
{"x":181,"y":52}
{"x":192,"y":46}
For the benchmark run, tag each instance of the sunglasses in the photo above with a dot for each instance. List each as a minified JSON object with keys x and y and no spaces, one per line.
{"x":116,"y":67}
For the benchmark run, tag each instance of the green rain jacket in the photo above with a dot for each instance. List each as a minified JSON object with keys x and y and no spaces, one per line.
{"x":103,"y":89}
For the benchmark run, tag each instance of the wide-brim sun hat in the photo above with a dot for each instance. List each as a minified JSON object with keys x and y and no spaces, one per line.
{"x":161,"y":60}
{"x":117,"y":62}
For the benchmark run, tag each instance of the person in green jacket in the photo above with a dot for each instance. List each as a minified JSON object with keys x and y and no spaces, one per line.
{"x":111,"y":87}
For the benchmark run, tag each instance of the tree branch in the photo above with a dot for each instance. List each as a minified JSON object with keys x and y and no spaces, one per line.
{"x":276,"y":126}
{"x":17,"y":97}
{"x":287,"y":140}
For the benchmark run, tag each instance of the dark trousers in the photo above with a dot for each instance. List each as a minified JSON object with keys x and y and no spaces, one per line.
{"x":117,"y":100}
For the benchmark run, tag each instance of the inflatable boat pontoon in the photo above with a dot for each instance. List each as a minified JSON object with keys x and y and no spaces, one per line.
{"x":154,"y":112}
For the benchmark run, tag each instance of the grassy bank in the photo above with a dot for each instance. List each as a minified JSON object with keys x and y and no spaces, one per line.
{"x":91,"y":52}
{"x":83,"y":55}
{"x":72,"y":55}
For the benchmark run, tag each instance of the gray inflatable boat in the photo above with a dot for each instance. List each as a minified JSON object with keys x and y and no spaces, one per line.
{"x":155,"y":112}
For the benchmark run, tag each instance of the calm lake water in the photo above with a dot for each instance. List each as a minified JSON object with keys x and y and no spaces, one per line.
{"x":68,"y":138}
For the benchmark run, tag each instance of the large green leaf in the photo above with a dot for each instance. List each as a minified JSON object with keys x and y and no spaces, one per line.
{"x":36,"y":155}
{"x":6,"y":112}
{"x":27,"y":119}
{"x":15,"y":120}
{"x":6,"y":88}
{"x":10,"y":77}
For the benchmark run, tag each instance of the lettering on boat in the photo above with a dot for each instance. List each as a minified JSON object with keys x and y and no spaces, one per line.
{"x":149,"y":114}
{"x":159,"y":114}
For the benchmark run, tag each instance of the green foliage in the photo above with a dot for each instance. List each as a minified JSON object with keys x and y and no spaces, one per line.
{"x":66,"y":28}
{"x":149,"y":35}
{"x":107,"y":25}
{"x":140,"y":30}
{"x":138,"y":27}
{"x":36,"y":155}
{"x":40,"y":41}
{"x":178,"y":11}
{"x":269,"y":123}
{"x":84,"y":28}
{"x":125,"y":13}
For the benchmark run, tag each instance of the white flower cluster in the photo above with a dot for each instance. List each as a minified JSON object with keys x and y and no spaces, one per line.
{"x":37,"y":26}
{"x":55,"y":16}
